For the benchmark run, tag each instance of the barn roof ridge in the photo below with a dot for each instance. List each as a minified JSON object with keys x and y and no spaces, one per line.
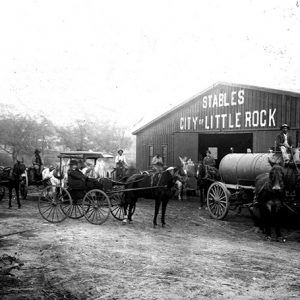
{"x":218,"y":83}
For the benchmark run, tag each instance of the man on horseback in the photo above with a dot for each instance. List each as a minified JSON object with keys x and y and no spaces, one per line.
{"x":284,"y":143}
{"x":37,"y":163}
{"x":121,"y":164}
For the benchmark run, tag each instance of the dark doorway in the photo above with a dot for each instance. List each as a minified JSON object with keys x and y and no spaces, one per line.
{"x":221,"y":143}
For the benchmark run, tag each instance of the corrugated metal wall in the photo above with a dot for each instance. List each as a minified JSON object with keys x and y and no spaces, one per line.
{"x":244,"y":109}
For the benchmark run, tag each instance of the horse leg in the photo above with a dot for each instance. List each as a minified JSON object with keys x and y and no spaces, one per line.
{"x":163,"y":211}
{"x":125,"y":206}
{"x":267,"y":215}
{"x":277,"y":221}
{"x":157,"y":205}
{"x":131,"y":204}
{"x":9,"y":196}
{"x":18,"y":194}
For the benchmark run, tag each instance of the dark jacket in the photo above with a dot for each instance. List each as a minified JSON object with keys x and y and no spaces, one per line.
{"x":76,"y":180}
{"x":280,"y":140}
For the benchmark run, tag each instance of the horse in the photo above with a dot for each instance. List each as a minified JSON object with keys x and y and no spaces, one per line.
{"x":159,"y":187}
{"x":205,"y":175}
{"x":13,"y":181}
{"x":271,"y":190}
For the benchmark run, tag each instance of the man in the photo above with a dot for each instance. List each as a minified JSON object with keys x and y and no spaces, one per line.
{"x":120,"y":158}
{"x":37,"y":162}
{"x":121,"y":164}
{"x":284,"y":143}
{"x":76,"y":179}
{"x":157,"y":163}
{"x":209,"y":160}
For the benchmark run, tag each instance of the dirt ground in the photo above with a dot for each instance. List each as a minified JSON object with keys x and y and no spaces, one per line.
{"x":194,"y":257}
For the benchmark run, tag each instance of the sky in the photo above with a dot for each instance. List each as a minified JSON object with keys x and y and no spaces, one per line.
{"x":130,"y":61}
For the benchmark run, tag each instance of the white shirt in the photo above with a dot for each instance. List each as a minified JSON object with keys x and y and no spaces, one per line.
{"x":121,"y":158}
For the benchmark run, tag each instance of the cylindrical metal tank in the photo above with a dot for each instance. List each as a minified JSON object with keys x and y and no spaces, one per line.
{"x":243,"y":168}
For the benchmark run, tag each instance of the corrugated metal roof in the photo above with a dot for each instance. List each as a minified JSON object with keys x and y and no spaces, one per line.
{"x":189,"y":100}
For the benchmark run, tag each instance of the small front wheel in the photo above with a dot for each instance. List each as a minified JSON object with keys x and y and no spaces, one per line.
{"x":96,"y":206}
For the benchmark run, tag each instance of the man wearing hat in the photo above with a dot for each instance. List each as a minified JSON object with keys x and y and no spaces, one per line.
{"x":284,"y":143}
{"x":37,"y":162}
{"x":76,"y":179}
{"x":121,"y":164}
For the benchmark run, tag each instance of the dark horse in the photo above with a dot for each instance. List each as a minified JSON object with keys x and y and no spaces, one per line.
{"x":160,"y":187}
{"x":12,"y":181}
{"x":271,"y":192}
{"x":205,"y":175}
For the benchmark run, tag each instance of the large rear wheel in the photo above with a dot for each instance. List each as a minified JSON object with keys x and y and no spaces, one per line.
{"x":53,"y":202}
{"x":96,"y":206}
{"x":218,"y":200}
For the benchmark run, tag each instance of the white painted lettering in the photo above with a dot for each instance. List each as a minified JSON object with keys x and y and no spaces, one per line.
{"x":206,"y":125}
{"x":215,"y":103}
{"x":241,"y":98}
{"x":247,"y":119}
{"x":230,"y":121}
{"x":225,"y":100}
{"x":263,"y":121}
{"x":204,"y":102}
{"x":221,"y":99}
{"x":255,"y":118}
{"x":209,"y":100}
{"x":223,"y":116}
{"x":237,"y":120}
{"x":272,"y":117}
{"x":181,"y":123}
{"x":217,"y":120}
{"x":195,"y":119}
{"x":189,"y":123}
{"x":233,"y":101}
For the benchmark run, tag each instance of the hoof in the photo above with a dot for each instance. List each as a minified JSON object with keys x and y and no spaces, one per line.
{"x":124,"y":222}
{"x":163,"y":225}
{"x":19,"y":206}
{"x":10,"y":207}
{"x":154,"y":225}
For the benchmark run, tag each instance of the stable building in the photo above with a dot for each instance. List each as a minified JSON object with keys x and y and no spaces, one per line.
{"x":223,"y":118}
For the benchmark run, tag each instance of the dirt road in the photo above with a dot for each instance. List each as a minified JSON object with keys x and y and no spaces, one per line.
{"x":194,"y":257}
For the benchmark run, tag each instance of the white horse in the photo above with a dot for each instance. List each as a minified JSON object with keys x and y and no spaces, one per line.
{"x":57,"y":175}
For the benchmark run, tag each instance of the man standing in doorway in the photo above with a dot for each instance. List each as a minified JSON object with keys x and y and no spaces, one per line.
{"x":284,"y":143}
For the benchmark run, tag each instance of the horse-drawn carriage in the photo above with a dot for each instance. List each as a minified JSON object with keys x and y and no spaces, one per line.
{"x":100,"y":198}
{"x":236,"y":189}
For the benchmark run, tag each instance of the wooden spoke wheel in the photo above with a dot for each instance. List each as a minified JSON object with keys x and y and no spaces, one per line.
{"x":74,"y":211}
{"x":218,"y":200}
{"x":117,"y":206}
{"x":2,"y":192}
{"x":53,"y":202}
{"x":96,"y":206}
{"x":23,"y":189}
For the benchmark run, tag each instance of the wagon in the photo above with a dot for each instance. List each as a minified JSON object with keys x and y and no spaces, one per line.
{"x":235,"y":190}
{"x":56,"y":203}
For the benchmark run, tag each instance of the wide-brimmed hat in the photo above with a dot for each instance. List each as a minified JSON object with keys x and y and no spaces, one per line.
{"x":159,"y":164}
{"x":284,"y":125}
{"x":37,"y":151}
{"x":120,"y":151}
{"x":73,"y":162}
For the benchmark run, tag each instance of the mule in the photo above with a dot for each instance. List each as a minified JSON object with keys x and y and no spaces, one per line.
{"x":162,"y":189}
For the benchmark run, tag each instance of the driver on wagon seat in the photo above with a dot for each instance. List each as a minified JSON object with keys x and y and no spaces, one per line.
{"x":284,"y":143}
{"x":76,"y":179}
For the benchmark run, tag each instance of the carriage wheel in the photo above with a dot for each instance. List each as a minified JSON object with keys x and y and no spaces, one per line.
{"x":74,"y":210}
{"x":218,"y":200}
{"x":53,"y":202}
{"x":96,"y":206}
{"x":117,"y":206}
{"x":2,"y":192}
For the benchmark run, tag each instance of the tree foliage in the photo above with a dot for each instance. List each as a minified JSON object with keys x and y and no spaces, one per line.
{"x":21,"y":134}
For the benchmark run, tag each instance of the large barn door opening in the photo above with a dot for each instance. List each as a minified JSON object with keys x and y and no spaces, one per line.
{"x":220,"y":144}
{"x":185,"y":144}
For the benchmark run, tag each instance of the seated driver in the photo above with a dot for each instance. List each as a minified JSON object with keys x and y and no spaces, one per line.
{"x":284,"y":143}
{"x":76,"y":179}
